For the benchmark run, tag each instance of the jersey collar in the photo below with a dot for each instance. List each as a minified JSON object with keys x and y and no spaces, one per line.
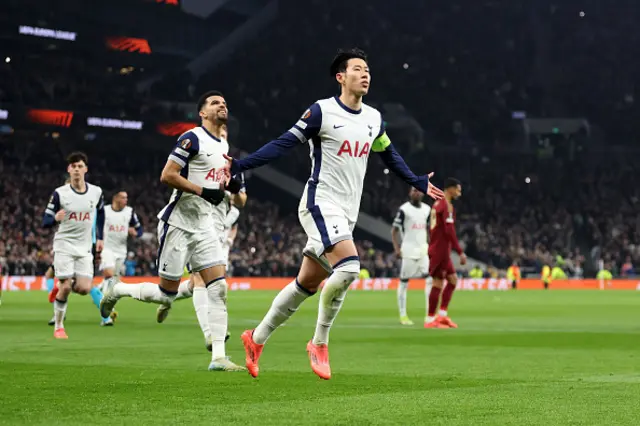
{"x":86,"y":189}
{"x":346,"y":108}
{"x":209,"y":133}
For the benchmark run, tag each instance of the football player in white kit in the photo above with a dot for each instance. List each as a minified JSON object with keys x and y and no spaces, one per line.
{"x":195,"y":285}
{"x":74,"y":207}
{"x":410,"y":225}
{"x":187,"y":230}
{"x":120,"y":223}
{"x":341,"y":132}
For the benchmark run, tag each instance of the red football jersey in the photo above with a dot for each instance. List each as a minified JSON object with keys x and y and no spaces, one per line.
{"x":442,"y":231}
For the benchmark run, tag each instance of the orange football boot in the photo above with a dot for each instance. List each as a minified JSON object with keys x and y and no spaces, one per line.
{"x":319,"y":358}
{"x":446,"y":321}
{"x":253,"y":352}
{"x":60,"y":334}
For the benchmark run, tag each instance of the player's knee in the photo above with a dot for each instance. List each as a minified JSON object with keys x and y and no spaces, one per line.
{"x":452,"y":280}
{"x":217,"y":289}
{"x":347,"y":270}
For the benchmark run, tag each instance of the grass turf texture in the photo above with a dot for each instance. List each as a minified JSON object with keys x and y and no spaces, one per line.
{"x":519,"y":358}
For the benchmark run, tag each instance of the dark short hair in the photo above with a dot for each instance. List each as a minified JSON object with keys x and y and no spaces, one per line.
{"x":339,"y":63}
{"x":451,"y":182}
{"x":203,"y":98}
{"x":76,"y":156}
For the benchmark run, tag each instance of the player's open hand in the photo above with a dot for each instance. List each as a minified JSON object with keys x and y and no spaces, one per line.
{"x":433,"y":191}
{"x":99,"y":246}
{"x":60,"y":215}
{"x":463,"y":259}
{"x":227,"y":165}
{"x":133,"y":232}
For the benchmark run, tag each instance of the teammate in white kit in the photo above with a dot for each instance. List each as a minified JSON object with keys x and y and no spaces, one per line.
{"x":341,"y":133}
{"x":74,"y":207}
{"x":120,"y":223}
{"x":187,"y":229}
{"x":410,"y":225}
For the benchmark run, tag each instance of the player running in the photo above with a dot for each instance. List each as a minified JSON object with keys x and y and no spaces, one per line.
{"x":341,"y":133}
{"x":195,"y":286}
{"x":74,"y":207}
{"x":187,"y":229}
{"x":120,"y":223}
{"x":442,"y":239}
{"x":411,"y":222}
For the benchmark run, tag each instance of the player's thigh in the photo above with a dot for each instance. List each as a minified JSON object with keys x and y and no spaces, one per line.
{"x":63,"y":264}
{"x":208,"y":256}
{"x":174,"y":250}
{"x":311,"y":274}
{"x":438,"y":268}
{"x":196,"y":280}
{"x":83,"y":285}
{"x":450,"y":272}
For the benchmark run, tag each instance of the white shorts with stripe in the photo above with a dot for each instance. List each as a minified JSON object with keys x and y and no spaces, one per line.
{"x":325,"y":226}
{"x":69,"y":266}
{"x":177,"y":247}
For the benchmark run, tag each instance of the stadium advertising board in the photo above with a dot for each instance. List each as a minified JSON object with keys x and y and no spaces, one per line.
{"x":30,"y":283}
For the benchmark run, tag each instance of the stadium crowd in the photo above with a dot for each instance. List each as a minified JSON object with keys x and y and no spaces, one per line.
{"x":461,"y":90}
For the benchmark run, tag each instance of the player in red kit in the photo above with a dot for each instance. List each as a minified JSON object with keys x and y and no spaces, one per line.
{"x":443,"y":238}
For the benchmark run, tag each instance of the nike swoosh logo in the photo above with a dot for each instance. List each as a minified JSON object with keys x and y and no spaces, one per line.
{"x":209,"y":155}
{"x":337,"y":127}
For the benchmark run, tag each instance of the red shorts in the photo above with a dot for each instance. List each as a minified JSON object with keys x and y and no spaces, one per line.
{"x":441,"y":268}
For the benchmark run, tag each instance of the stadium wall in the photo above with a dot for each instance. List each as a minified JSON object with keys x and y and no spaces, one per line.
{"x":32,"y":283}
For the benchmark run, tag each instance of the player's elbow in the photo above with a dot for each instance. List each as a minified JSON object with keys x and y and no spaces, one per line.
{"x":240,"y":200}
{"x":165,"y":177}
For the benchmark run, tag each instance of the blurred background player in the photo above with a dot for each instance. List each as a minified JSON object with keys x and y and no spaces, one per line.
{"x":410,"y":227}
{"x":226,"y":213}
{"x":187,"y":229}
{"x":341,"y":132}
{"x":442,"y":239}
{"x":74,"y":207}
{"x":514,"y":275}
{"x":120,"y":223}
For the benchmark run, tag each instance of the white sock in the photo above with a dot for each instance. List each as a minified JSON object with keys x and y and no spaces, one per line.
{"x":427,"y":290}
{"x":331,"y":299}
{"x":145,"y":292}
{"x":201,"y":304}
{"x":283,"y":306}
{"x":184,"y":291}
{"x":402,"y":297}
{"x":59,"y":310}
{"x":430,"y":319}
{"x":442,"y":312}
{"x":217,"y":316}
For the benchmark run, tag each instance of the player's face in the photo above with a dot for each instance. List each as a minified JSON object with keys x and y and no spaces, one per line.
{"x":356,"y":79}
{"x":77,"y":170}
{"x":121,"y":199}
{"x":215,"y":109}
{"x":456,"y":192}
{"x":415,"y":195}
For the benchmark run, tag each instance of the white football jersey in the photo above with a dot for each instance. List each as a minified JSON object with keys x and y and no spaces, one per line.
{"x":201,"y":156}
{"x":116,"y":228}
{"x":340,"y":141}
{"x":412,"y":221}
{"x":74,"y":234}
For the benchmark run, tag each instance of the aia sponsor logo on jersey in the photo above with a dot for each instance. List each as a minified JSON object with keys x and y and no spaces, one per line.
{"x":419,"y":226}
{"x":117,"y":228}
{"x":355,"y":149}
{"x":80,"y":217}
{"x":215,"y":175}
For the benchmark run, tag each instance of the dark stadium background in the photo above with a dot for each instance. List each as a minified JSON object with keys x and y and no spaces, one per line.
{"x":495,"y":93}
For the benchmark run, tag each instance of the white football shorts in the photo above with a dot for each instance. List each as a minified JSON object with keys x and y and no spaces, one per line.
{"x":69,"y":266}
{"x":177,"y":247}
{"x":414,"y":268}
{"x":325,"y":226}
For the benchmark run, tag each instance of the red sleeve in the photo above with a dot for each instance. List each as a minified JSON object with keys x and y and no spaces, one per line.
{"x":450,"y":229}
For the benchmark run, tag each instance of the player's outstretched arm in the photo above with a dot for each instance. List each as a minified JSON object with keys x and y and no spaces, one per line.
{"x":394,"y":161}
{"x":306,"y":128}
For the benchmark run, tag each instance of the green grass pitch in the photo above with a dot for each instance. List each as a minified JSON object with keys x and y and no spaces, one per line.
{"x":518,"y":358}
